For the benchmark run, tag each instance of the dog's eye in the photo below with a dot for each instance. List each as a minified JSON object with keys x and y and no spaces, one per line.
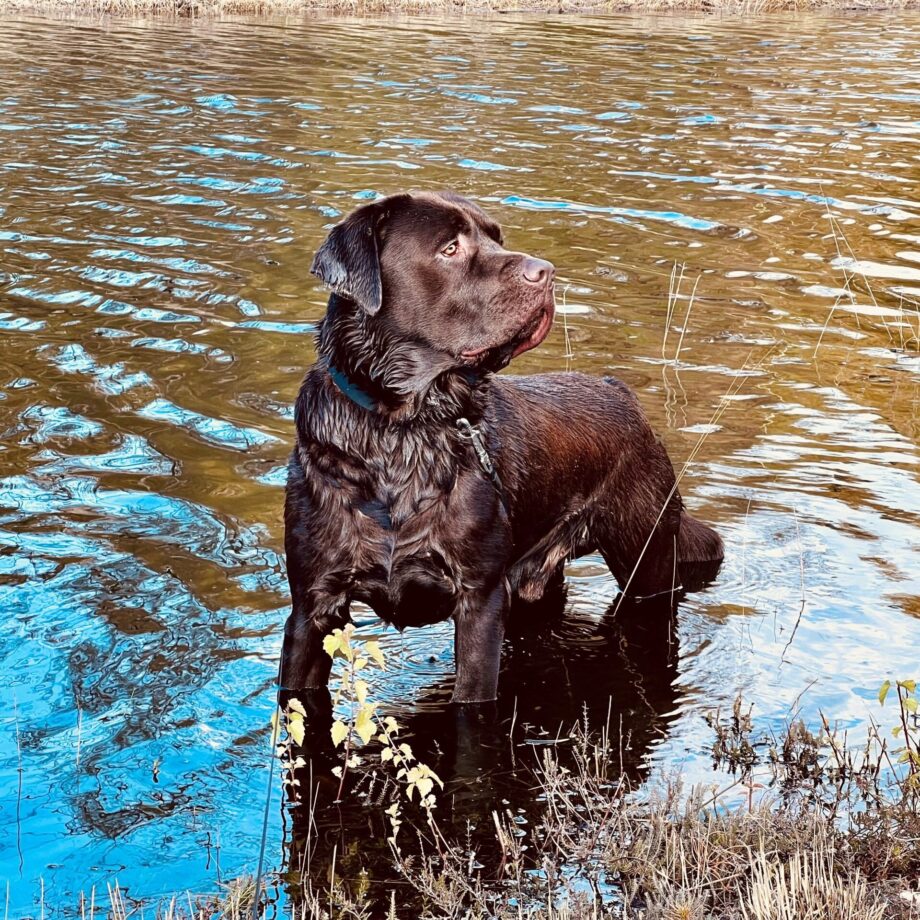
{"x":451,"y":249}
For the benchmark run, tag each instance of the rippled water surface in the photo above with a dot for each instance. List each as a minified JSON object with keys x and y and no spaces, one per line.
{"x":162,"y":190}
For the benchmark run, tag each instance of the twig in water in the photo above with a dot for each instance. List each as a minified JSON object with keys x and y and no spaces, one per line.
{"x":846,"y":275}
{"x":79,"y":739}
{"x":335,"y":850}
{"x":838,"y":234}
{"x":18,"y":787}
{"x":798,"y":620}
{"x":747,"y":511}
{"x":276,"y":725}
{"x":794,"y":708}
{"x":511,"y":732}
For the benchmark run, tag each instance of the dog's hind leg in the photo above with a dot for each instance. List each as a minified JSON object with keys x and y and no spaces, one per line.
{"x":638,"y":539}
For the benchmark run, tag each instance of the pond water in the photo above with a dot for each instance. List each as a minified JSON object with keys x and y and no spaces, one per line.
{"x":163,"y":188}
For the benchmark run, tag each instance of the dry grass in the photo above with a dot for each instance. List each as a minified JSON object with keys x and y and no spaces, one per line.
{"x":831,"y":838}
{"x":904,"y":330}
{"x":807,"y":887}
{"x":218,"y":8}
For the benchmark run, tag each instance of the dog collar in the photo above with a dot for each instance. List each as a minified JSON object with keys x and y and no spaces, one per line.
{"x":350,"y":389}
{"x":467,"y":430}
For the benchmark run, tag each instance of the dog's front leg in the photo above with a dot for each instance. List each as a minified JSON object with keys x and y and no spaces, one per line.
{"x":304,"y":662}
{"x":479,"y":627}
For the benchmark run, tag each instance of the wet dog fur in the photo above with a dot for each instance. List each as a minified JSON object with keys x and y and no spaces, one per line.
{"x":387,"y":502}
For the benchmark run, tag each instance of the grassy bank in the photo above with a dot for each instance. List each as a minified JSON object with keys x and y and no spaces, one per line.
{"x":219,"y":8}
{"x":812,"y":826}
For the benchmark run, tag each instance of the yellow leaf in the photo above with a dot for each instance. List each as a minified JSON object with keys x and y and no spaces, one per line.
{"x":295,"y":727}
{"x":361,"y":691}
{"x":332,"y":643}
{"x":883,"y":692}
{"x":339,"y":732}
{"x":386,"y":754}
{"x":373,"y":649}
{"x":424,"y":785}
{"x":297,"y":706}
{"x":364,"y":724}
{"x":345,"y":642}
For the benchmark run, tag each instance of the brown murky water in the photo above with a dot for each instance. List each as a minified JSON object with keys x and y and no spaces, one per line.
{"x":162,"y":188}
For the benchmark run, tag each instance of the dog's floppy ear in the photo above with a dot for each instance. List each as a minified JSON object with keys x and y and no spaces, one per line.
{"x":349,"y":260}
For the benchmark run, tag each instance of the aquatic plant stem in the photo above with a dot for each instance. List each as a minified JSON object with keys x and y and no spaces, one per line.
{"x":683,"y":328}
{"x":276,"y":724}
{"x":721,"y":408}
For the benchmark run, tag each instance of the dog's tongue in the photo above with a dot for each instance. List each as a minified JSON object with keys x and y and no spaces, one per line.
{"x":539,"y":334}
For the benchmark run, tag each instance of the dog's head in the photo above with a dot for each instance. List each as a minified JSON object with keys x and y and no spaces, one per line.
{"x":430,"y":272}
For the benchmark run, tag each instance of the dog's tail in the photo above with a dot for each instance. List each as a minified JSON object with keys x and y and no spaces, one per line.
{"x":697,"y":542}
{"x":699,"y":551}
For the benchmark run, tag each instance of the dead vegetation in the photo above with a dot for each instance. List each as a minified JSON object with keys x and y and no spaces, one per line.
{"x":810,"y":827}
{"x":212,"y":9}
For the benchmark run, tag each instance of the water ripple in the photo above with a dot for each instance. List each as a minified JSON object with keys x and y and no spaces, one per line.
{"x":733,"y":221}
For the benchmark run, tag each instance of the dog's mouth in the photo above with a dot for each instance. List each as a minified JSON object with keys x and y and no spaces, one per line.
{"x":530,"y":336}
{"x":536,"y":331}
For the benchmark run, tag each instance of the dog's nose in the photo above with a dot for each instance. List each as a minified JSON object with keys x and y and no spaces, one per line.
{"x":538,"y":271}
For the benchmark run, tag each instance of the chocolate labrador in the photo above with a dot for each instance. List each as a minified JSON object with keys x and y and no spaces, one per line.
{"x":428,"y":487}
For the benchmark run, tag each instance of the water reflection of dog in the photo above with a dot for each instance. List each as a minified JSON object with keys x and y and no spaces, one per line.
{"x":617,"y":674}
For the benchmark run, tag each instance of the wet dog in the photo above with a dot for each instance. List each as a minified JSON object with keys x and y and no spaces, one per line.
{"x":428,"y":487}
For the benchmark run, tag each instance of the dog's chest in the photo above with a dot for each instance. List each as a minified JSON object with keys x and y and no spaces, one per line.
{"x":395,"y":510}
{"x":388,"y":502}
{"x":406,"y":480}
{"x":403,"y":569}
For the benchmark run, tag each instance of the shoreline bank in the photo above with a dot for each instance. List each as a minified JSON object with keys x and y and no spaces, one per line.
{"x":210,"y":9}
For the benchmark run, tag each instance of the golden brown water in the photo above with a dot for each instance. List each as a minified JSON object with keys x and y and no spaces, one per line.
{"x":162,"y":190}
